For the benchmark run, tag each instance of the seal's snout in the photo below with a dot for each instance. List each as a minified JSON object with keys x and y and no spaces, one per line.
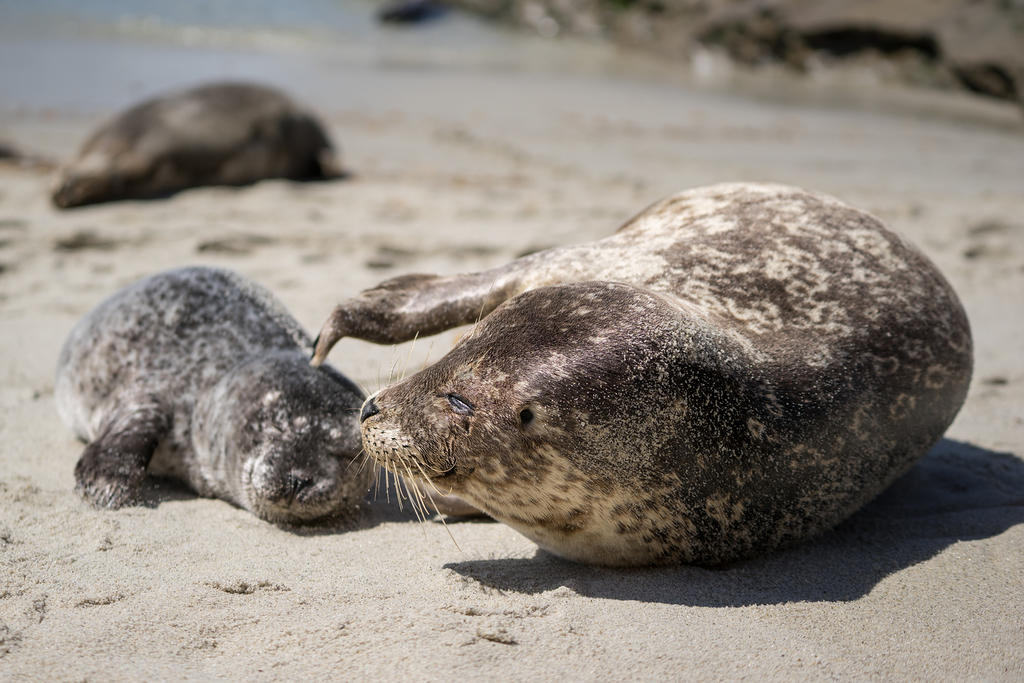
{"x":64,"y":194}
{"x":369,"y":410}
{"x":297,"y":484}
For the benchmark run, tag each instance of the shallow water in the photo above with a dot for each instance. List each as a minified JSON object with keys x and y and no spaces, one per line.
{"x":586,"y":105}
{"x":91,"y":56}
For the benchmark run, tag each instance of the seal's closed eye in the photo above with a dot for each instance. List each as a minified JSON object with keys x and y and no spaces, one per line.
{"x":459,"y":404}
{"x":525,"y":417}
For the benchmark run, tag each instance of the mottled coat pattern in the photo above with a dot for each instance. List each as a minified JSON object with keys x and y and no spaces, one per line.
{"x":203,"y":376}
{"x":737,"y":368}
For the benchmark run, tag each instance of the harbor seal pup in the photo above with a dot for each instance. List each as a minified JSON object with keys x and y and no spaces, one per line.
{"x":202,"y":376}
{"x":215,"y":134}
{"x":739,"y":367}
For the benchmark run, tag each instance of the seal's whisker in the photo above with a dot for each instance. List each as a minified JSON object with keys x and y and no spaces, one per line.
{"x":450,"y":535}
{"x":398,"y":490}
{"x":381,"y":383}
{"x":364,"y":462}
{"x":411,"y":481}
{"x":387,"y":481}
{"x":423,"y":512}
{"x":483,"y":303}
{"x":480,"y":313}
{"x":361,"y":386}
{"x":444,"y":523}
{"x":392,"y":372}
{"x":415,"y":497}
{"x":376,"y":485}
{"x":367,"y":462}
{"x":433,"y":504}
{"x":426,"y":361}
{"x":400,"y":483}
{"x":408,"y":357}
{"x":428,"y":503}
{"x":356,"y":457}
{"x":394,"y":364}
{"x":404,"y":483}
{"x":366,"y":459}
{"x":430,"y":483}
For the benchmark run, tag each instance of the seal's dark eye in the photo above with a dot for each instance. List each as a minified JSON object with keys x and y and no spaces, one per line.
{"x":525,"y":416}
{"x":459,"y":404}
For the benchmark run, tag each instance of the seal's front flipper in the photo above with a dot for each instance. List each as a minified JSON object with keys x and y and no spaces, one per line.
{"x":416,"y":305}
{"x":112,"y":467}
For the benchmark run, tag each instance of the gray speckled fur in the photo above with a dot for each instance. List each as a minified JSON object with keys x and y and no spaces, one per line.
{"x":737,"y":368}
{"x":201,"y":375}
{"x":214,"y":134}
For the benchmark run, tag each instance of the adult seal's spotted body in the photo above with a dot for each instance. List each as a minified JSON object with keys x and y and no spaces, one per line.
{"x":203,"y":376}
{"x":214,"y":134}
{"x":737,"y":368}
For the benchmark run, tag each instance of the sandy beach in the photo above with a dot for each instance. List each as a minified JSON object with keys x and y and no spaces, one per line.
{"x":462,"y":162}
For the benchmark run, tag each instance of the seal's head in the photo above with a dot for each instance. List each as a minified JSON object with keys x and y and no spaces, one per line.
{"x":75,"y":189}
{"x":286,"y":438}
{"x":530,"y":417}
{"x":99,"y":175}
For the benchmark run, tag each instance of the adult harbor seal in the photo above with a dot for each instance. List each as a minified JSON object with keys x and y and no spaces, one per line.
{"x":737,"y":368}
{"x":200,"y":375}
{"x":215,"y":134}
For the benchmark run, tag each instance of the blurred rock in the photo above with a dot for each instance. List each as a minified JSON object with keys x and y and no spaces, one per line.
{"x":11,"y":154}
{"x":410,"y":11}
{"x":977,"y":45}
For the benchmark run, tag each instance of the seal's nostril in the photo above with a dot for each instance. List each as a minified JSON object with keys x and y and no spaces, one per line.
{"x":369,"y":410}
{"x":300,"y":484}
